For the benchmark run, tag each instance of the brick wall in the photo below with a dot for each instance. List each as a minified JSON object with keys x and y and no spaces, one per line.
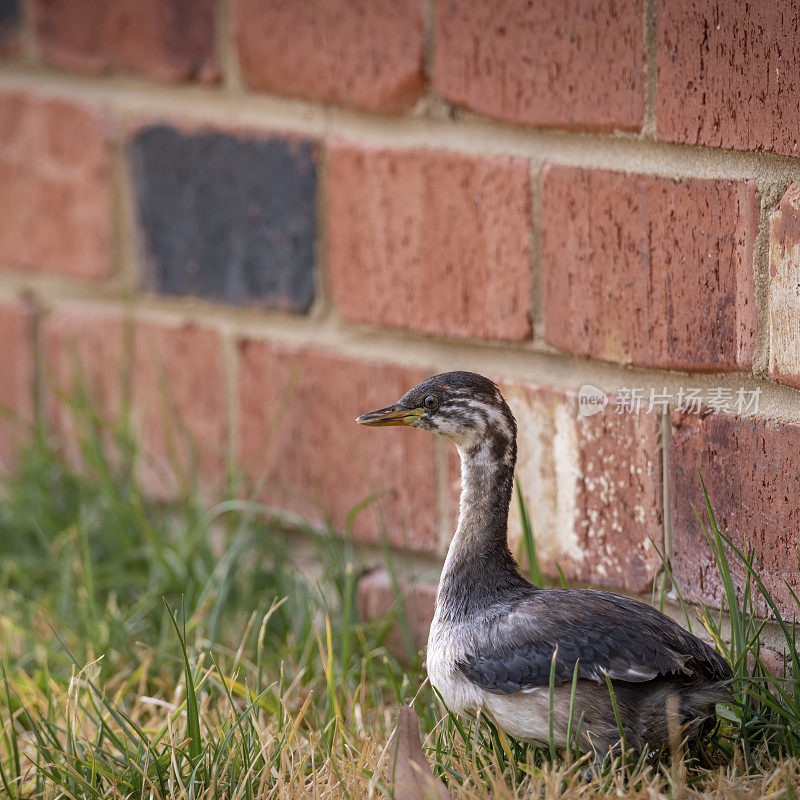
{"x":282,"y":214}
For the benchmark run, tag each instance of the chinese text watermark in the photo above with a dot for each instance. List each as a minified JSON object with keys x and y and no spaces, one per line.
{"x":690,"y":399}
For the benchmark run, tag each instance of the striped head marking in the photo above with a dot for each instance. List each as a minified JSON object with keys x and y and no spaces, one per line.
{"x":464,"y":407}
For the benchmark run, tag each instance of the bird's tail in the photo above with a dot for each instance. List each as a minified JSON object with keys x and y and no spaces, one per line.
{"x":696,"y":706}
{"x":700,"y":701}
{"x":673,"y":710}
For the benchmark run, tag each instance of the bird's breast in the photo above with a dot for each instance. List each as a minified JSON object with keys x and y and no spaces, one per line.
{"x":524,"y":715}
{"x":447,"y":645}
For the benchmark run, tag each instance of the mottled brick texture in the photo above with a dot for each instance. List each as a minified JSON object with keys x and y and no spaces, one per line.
{"x":649,"y":271}
{"x":180,"y":405}
{"x":16,"y":379}
{"x":226,"y":217}
{"x":430,"y":241}
{"x":365,"y":53}
{"x":751,"y":469}
{"x":170,"y":40}
{"x":784,"y":289}
{"x":86,"y":356}
{"x":171,"y":378}
{"x":55,"y":202}
{"x":776,"y":663}
{"x":729,"y":74}
{"x":10,"y":18}
{"x":297,"y":433}
{"x":379,"y":596}
{"x":593,"y":487}
{"x":560,"y":63}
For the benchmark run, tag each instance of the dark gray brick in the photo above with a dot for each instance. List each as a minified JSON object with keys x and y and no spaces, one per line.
{"x":9,"y":20}
{"x":229,"y":218}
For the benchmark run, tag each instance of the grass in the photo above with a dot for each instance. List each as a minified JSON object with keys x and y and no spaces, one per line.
{"x":766,"y":715}
{"x":175,"y":651}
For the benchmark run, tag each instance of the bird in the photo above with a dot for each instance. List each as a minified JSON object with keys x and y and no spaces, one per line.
{"x":497,"y":641}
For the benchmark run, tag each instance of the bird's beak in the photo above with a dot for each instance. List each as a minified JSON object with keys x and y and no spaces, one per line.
{"x":393,"y":415}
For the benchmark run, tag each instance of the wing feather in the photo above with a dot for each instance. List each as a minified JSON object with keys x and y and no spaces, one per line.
{"x":603,"y":633}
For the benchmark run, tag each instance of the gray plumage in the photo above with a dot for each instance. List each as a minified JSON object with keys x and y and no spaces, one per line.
{"x":515,"y":649}
{"x":494,"y":634}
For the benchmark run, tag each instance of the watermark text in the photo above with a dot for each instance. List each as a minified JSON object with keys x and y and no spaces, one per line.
{"x":689,"y":399}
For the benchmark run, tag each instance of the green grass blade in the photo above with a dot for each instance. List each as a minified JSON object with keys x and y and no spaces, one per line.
{"x":192,"y":712}
{"x":612,"y":694}
{"x":551,"y":718}
{"x":667,"y":569}
{"x":573,"y":689}
{"x":534,"y":572}
{"x":561,"y":577}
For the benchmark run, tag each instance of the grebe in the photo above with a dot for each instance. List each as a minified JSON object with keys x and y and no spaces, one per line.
{"x":495,"y":635}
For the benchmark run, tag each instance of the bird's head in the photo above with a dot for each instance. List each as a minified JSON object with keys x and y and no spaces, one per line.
{"x":464,"y":407}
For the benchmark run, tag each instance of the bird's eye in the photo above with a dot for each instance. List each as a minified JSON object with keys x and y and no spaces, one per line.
{"x":431,"y":402}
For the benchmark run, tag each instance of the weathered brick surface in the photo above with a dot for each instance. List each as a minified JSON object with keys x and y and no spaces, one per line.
{"x":566,"y":64}
{"x":226,"y":217}
{"x":430,"y":241}
{"x":297,"y":432}
{"x":784,"y":289}
{"x":414,"y":608}
{"x":170,"y":41}
{"x":172,"y":377}
{"x":592,"y":486}
{"x":365,"y":54}
{"x":649,"y":271}
{"x":10,"y":18}
{"x":778,"y":664}
{"x":751,"y":468}
{"x":179,"y":400}
{"x":55,"y":201}
{"x":16,"y":378}
{"x":729,"y":74}
{"x":85,"y":356}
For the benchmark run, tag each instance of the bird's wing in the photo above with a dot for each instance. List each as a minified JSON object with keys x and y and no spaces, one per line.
{"x":605,"y":634}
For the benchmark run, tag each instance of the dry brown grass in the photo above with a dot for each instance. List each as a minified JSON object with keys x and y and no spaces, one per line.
{"x":292,"y":710}
{"x":290,"y":758}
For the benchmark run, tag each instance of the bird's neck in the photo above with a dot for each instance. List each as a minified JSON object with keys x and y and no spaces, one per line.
{"x":479,"y":568}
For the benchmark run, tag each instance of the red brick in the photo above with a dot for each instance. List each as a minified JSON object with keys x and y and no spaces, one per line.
{"x":751,"y":469}
{"x":729,"y":74}
{"x":169,"y":41}
{"x":364,"y":54}
{"x":297,"y":433}
{"x":778,"y":664}
{"x":179,"y":399}
{"x":376,"y":598}
{"x":784,"y":289}
{"x":176,"y":391}
{"x":649,"y":271}
{"x":85,"y":357}
{"x":553,"y":63}
{"x":55,"y":201}
{"x":16,"y":379}
{"x":593,"y":488}
{"x":430,"y":241}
